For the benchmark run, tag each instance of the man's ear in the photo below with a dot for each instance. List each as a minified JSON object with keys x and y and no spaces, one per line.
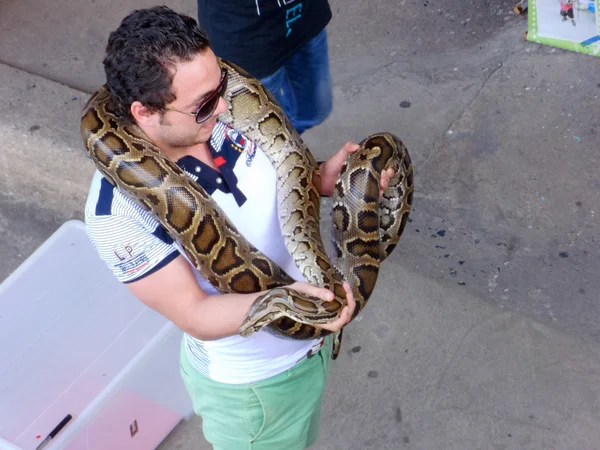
{"x":140,"y":113}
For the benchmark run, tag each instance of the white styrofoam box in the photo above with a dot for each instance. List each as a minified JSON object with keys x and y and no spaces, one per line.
{"x":74,"y":340}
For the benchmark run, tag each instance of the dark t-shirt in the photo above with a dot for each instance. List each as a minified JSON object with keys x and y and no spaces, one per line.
{"x":258,"y":35}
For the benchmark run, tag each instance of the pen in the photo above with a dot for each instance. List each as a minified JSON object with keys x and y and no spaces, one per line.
{"x":54,"y":432}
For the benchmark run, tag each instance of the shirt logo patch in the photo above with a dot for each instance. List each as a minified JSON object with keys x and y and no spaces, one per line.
{"x":238,"y":141}
{"x":134,"y":265}
{"x":241,"y":144}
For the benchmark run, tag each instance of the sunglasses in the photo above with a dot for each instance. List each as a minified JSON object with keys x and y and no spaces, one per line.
{"x":206,"y":109}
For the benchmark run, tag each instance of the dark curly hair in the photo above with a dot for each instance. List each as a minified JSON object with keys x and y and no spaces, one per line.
{"x":141,"y":53}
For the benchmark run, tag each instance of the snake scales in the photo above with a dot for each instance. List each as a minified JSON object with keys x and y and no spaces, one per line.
{"x":365,"y":229}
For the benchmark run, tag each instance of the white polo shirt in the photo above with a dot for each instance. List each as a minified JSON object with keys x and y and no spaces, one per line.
{"x":134,"y":244}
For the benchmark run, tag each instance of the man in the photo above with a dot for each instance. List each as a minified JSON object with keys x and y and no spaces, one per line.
{"x":261,"y":392}
{"x":283,"y":43}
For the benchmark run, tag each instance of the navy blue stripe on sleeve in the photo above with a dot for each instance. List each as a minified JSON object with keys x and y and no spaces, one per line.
{"x":162,"y":234}
{"x":105,"y":198}
{"x":160,"y":265}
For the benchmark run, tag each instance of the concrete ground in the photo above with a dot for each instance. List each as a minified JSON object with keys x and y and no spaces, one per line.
{"x":484,"y":328}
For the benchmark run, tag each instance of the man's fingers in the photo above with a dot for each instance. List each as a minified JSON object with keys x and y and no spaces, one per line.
{"x":323,"y":294}
{"x":351,"y":303}
{"x":384,"y":182}
{"x":312,"y":290}
{"x":338,"y":323}
{"x":348,"y":147}
{"x":387,"y":176}
{"x":346,"y":312}
{"x":343,"y":318}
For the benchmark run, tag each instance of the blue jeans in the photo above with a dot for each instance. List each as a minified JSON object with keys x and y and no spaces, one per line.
{"x":302,"y":86}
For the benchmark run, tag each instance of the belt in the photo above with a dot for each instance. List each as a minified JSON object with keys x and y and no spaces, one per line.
{"x":313,"y":350}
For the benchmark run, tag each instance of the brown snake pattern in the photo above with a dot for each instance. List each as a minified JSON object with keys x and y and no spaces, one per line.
{"x":365,"y":229}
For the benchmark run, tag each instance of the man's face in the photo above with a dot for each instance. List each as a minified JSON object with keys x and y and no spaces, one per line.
{"x":193,"y":82}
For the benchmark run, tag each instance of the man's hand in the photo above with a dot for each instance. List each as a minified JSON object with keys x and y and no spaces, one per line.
{"x":330,"y":170}
{"x":345,"y":314}
{"x":325,"y":294}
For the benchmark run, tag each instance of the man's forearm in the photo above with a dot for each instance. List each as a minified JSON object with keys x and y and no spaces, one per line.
{"x":218,"y":316}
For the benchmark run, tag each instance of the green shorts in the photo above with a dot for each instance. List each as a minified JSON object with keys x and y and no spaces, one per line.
{"x":281,"y":412}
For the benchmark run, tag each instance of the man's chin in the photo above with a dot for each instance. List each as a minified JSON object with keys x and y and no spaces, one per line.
{"x":209,"y":126}
{"x":200,"y":138}
{"x":205,"y":132}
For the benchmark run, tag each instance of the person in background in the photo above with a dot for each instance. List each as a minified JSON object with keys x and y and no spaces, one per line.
{"x":566,"y":10}
{"x":283,"y":43}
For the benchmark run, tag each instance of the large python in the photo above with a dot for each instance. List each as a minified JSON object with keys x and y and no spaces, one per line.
{"x":365,"y":228}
